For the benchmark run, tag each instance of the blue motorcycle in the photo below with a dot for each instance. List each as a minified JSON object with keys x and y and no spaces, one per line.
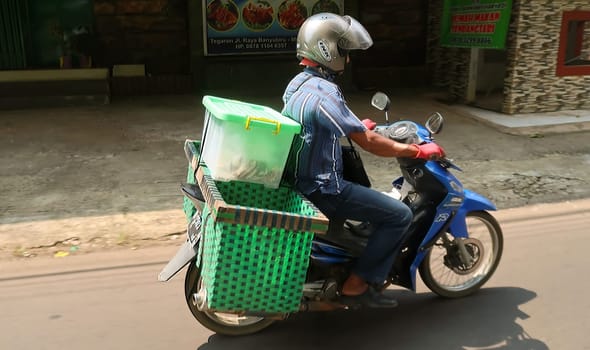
{"x":453,"y":242}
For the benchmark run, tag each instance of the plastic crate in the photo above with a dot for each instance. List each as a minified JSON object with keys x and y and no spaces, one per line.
{"x":256,"y":244}
{"x":188,"y":206}
{"x":246,"y":142}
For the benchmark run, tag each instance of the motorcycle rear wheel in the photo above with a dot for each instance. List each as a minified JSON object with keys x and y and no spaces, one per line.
{"x":444,"y":274}
{"x":221,"y":323}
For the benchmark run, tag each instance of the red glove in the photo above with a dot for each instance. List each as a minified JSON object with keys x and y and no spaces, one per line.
{"x":369,"y":124}
{"x":430,"y":151}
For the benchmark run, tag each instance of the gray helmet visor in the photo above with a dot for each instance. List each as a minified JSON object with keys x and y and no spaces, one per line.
{"x":355,"y":37}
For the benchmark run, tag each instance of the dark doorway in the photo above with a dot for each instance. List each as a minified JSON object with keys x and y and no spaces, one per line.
{"x":490,"y":78}
{"x":398,"y":55}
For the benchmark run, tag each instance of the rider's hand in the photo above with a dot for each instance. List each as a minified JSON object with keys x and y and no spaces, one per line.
{"x":369,"y":124}
{"x":429,"y":151}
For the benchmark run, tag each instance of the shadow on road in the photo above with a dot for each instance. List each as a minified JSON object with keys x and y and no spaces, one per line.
{"x":487,"y":320}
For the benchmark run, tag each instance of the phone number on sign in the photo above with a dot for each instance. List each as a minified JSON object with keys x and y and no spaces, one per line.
{"x":261,"y":46}
{"x":252,"y":43}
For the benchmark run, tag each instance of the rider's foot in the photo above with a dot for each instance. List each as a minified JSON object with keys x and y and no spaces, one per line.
{"x":354,"y":285}
{"x":357,"y":292}
{"x":370,"y":298}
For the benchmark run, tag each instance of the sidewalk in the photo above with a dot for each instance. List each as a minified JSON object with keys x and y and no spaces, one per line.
{"x":81,"y":179}
{"x":532,"y":123}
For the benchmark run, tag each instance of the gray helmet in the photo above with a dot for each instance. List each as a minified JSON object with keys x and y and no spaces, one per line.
{"x":326,"y":38}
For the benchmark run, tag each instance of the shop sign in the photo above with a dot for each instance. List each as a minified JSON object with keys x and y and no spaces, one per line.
{"x":476,"y":24}
{"x":234,"y":27}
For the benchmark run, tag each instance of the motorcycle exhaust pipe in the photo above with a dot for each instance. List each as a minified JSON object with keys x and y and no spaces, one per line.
{"x":312,"y":306}
{"x":267,"y":315}
{"x":200,"y":301}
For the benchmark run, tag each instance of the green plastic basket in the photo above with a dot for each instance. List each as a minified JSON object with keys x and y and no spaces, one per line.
{"x":256,"y":243}
{"x":253,"y":268}
{"x":188,"y":206}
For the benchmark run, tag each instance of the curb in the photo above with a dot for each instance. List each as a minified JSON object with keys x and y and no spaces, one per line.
{"x":90,"y":233}
{"x":545,"y":210}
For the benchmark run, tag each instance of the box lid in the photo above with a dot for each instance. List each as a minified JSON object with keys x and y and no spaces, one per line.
{"x":243,"y":112}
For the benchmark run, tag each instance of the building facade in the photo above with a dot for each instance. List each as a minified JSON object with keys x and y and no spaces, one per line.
{"x":545,"y":65}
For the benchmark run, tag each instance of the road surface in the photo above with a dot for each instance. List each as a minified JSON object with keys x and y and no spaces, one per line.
{"x":538,"y":299}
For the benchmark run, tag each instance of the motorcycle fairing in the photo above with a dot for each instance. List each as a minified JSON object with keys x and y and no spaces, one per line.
{"x":183,"y":256}
{"x":450,"y":213}
{"x":326,"y":252}
{"x":463,"y":199}
{"x":189,"y":250}
{"x":473,"y":202}
{"x":442,"y":216}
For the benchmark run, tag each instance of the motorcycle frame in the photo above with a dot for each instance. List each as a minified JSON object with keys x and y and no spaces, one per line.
{"x":442,"y":208}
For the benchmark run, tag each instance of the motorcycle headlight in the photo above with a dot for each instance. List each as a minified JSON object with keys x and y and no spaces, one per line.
{"x":404,"y":132}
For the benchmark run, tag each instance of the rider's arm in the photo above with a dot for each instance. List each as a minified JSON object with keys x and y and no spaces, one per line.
{"x":382,"y":146}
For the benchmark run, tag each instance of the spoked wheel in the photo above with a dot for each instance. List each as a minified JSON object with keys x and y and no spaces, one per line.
{"x":222,"y":323}
{"x":456,"y":267}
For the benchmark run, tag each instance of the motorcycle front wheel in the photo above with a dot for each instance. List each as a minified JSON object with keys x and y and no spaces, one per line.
{"x":222,"y":323}
{"x":445,"y":269}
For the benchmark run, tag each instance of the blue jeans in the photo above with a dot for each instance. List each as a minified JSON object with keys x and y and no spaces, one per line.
{"x":389,"y":217}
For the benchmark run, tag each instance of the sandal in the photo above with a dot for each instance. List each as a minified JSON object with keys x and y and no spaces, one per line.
{"x":370,"y":298}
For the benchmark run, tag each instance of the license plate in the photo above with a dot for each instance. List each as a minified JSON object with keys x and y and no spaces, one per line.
{"x":194,"y":229}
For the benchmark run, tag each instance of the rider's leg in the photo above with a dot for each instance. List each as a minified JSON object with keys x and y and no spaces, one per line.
{"x":390,"y":219}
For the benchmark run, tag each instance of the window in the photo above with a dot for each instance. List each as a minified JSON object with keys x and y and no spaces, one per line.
{"x":574,"y":44}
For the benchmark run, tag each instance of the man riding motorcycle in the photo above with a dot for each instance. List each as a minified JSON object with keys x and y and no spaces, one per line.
{"x":314,"y":100}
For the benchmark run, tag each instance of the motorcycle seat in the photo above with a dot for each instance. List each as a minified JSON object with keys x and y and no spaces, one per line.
{"x":341,"y":235}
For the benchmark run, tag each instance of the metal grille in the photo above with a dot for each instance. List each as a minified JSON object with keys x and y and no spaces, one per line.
{"x":12,"y":45}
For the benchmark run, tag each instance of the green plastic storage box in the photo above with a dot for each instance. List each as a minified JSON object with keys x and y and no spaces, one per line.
{"x":246,"y":142}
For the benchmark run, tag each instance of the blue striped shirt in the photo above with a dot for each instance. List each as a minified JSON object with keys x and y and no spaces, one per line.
{"x":319,"y":106}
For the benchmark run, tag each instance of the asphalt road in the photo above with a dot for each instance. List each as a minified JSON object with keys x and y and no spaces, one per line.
{"x":111,"y":300}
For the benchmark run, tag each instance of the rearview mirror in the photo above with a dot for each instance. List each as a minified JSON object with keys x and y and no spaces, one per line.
{"x":380,"y":101}
{"x":435,"y":122}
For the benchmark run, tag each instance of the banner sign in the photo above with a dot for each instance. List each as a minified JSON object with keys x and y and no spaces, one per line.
{"x":476,"y":23}
{"x":234,"y":27}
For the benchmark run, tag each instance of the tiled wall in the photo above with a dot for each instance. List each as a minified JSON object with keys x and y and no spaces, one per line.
{"x":449,"y":66}
{"x":531,"y":84}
